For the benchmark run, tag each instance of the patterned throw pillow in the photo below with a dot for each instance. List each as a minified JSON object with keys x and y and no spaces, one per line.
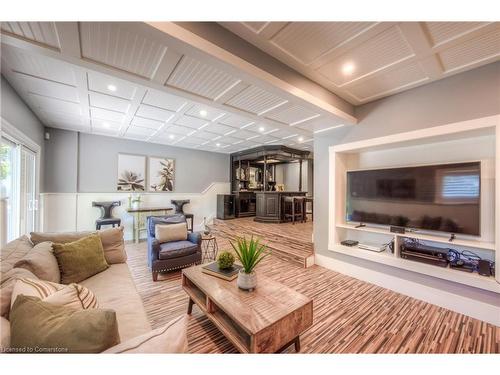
{"x":72,"y":295}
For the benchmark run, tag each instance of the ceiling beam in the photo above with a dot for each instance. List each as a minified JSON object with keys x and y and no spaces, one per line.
{"x":227,"y":47}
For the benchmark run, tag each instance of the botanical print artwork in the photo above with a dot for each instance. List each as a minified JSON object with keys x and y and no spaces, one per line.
{"x":161,"y":174}
{"x":131,"y":172}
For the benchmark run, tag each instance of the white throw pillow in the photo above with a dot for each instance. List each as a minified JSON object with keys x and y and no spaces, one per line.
{"x":72,"y":295}
{"x":171,"y":338}
{"x":171,"y":232}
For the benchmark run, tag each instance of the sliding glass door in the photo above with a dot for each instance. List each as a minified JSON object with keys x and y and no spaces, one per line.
{"x":18,"y":193}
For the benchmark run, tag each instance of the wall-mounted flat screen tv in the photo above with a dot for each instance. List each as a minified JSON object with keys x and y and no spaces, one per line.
{"x":443,"y":198}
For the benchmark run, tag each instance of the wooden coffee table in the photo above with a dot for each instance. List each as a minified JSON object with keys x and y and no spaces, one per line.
{"x":267,"y":320}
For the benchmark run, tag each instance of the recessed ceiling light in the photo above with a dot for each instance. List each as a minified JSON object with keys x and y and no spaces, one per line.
{"x":112,"y":88}
{"x":203,"y":113}
{"x":348,"y":68}
{"x":171,"y":136}
{"x":301,"y":139}
{"x":105,"y":124}
{"x":261,"y":129}
{"x":217,"y":144}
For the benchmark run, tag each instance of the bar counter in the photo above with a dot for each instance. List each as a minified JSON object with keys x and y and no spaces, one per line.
{"x":269,"y":206}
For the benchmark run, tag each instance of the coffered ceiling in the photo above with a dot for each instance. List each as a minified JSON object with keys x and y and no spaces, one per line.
{"x":364,"y":61}
{"x":123,"y":80}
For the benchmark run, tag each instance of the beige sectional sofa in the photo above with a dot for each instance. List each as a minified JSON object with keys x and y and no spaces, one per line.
{"x":114,"y":289}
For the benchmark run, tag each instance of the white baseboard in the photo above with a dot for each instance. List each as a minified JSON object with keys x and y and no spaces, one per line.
{"x":479,"y":309}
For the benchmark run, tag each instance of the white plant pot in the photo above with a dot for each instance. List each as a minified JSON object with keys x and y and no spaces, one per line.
{"x":247,"y":281}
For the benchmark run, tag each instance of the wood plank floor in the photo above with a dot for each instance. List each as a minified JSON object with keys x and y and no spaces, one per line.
{"x":290,"y":242}
{"x":350,"y":316}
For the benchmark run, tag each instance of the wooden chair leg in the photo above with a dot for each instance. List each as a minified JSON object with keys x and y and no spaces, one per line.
{"x":190,"y":306}
{"x":155,"y":276}
{"x":297,"y":344}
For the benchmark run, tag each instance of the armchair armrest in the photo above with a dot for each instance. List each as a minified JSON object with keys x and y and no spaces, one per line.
{"x":194,"y":237}
{"x":153,"y":250}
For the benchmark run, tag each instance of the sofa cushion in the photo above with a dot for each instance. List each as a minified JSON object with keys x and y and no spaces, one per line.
{"x":40,"y":261}
{"x":72,"y":295}
{"x":45,"y":327}
{"x":171,"y":232}
{"x":176,"y":249}
{"x":14,"y":251}
{"x":113,"y":245}
{"x":80,"y":259}
{"x":7,"y":282}
{"x":4,"y":334}
{"x":172,"y":338}
{"x":111,"y":238}
{"x":115,"y":289}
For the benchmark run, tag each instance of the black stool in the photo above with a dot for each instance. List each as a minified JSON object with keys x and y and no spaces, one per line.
{"x":106,"y":214}
{"x":293,"y":208}
{"x":179,"y":209}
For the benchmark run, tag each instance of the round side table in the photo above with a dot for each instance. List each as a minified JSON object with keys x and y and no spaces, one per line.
{"x":209,"y":248}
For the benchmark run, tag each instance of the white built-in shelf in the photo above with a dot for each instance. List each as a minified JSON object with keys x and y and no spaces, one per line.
{"x":446,"y":273}
{"x":424,"y":237}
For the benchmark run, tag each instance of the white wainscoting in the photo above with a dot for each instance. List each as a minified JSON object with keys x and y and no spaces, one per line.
{"x":74,"y":211}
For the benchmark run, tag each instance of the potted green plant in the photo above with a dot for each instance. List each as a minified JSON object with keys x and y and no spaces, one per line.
{"x":249,"y":253}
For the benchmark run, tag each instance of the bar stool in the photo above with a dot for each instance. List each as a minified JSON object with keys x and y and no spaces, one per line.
{"x":106,"y":214}
{"x":293,"y":208}
{"x":306,"y":201}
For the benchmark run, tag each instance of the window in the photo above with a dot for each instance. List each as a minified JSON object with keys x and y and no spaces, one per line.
{"x":18,"y":188}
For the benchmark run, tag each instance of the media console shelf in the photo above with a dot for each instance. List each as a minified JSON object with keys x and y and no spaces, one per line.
{"x":458,"y":142}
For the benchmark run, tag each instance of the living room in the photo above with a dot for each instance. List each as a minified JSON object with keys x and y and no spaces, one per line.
{"x":296,"y":187}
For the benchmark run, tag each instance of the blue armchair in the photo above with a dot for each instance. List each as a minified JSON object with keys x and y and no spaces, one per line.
{"x":173,"y":255}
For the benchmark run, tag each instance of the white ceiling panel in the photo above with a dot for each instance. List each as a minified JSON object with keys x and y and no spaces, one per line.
{"x":147,"y":123}
{"x":116,"y":46}
{"x":191,"y":122}
{"x":234,"y":121}
{"x":49,"y":88}
{"x":111,"y":86}
{"x":138,"y":130}
{"x":40,"y":32}
{"x":154,"y":113}
{"x":218,"y":128}
{"x":164,"y":100}
{"x":207,"y":136}
{"x":283,"y":133}
{"x":316,"y":125}
{"x":260,"y":128}
{"x":292,"y":114}
{"x":352,"y":59}
{"x":105,"y":125}
{"x":39,"y":66}
{"x":110,"y":102}
{"x":65,"y":118}
{"x":243,"y":134}
{"x":255,"y":26}
{"x":307,"y":41}
{"x":179,"y":130}
{"x":104,"y":114}
{"x":55,"y":105}
{"x":256,"y":100}
{"x":442,"y":32}
{"x":484,"y":47}
{"x":384,"y":50}
{"x":201,"y":79}
{"x":393,"y":80}
{"x":204,"y":112}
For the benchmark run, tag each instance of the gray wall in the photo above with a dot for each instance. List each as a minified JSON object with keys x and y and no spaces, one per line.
{"x":288,"y":174}
{"x":462,"y":97}
{"x":97,"y":158}
{"x":18,"y":114}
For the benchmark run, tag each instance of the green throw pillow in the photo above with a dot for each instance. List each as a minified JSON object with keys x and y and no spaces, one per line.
{"x":42,"y":327}
{"x":80,"y":259}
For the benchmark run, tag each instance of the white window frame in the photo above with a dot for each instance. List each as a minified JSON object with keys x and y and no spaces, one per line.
{"x":10,"y":132}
